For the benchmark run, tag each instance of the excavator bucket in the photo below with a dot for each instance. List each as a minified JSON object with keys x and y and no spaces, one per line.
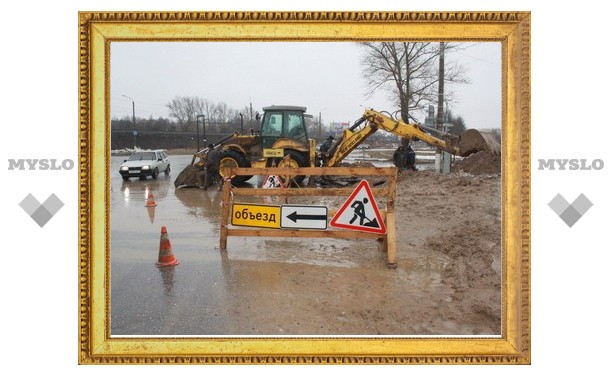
{"x":473,"y":141}
{"x":189,"y":177}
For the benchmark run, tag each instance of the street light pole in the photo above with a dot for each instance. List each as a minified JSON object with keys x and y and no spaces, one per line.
{"x":204,"y":127}
{"x":133,"y":118}
{"x":198,"y":132}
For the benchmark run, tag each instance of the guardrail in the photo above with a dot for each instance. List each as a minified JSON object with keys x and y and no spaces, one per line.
{"x":387,"y":241}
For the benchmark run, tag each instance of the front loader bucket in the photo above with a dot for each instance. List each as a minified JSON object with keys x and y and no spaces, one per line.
{"x":473,"y":141}
{"x":189,"y":177}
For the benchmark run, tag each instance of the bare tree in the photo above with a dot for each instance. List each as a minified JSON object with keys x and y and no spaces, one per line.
{"x":185,"y":110}
{"x":408,"y":70}
{"x":221,"y":112}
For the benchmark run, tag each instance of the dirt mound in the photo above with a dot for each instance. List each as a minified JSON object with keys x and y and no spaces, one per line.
{"x":358,"y":164}
{"x":481,"y":162}
{"x":473,"y":269}
{"x":471,"y":255}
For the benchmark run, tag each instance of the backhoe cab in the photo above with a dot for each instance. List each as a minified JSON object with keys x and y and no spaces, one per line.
{"x":281,"y":141}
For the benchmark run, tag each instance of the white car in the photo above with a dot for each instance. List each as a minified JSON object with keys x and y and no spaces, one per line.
{"x":145,"y":163}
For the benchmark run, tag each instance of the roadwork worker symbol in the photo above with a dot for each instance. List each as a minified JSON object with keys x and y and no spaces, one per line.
{"x":360,"y":212}
{"x":272,"y":181}
{"x":359,"y":209}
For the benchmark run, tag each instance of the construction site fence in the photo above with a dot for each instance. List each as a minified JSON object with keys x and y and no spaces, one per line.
{"x":386,"y":190}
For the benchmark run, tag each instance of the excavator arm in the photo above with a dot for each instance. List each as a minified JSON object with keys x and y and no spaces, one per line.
{"x":466,"y":144}
{"x":411,"y":131}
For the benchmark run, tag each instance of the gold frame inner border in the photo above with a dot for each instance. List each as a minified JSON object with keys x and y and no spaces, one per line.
{"x":98,"y":29}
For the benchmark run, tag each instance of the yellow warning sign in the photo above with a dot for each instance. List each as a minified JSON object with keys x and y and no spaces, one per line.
{"x":253,"y":215}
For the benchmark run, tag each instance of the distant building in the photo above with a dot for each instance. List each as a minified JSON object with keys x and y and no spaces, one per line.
{"x":337,"y":127}
{"x":430,"y":120}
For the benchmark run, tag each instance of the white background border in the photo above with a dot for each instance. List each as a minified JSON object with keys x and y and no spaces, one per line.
{"x":570,"y":266}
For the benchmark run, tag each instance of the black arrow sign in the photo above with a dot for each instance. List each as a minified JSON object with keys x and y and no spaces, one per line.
{"x":295,"y":216}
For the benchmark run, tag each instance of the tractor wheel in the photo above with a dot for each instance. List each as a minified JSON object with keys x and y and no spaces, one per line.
{"x":231,"y":158}
{"x":294,"y":159}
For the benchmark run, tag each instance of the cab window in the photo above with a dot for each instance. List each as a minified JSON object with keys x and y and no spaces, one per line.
{"x":295,"y":126}
{"x":273,"y":124}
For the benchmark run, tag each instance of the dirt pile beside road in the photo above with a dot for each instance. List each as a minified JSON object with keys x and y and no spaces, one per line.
{"x":473,"y":269}
{"x":450,"y":225}
{"x":482,"y":162}
{"x":471,"y":263}
{"x":358,"y":164}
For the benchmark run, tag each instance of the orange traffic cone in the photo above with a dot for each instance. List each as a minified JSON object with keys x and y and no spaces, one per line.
{"x":166,"y":257}
{"x":150,"y":200}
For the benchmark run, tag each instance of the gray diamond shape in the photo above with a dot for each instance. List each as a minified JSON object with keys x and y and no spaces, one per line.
{"x":570,"y":216}
{"x":29,"y":204}
{"x":41,"y":216}
{"x":53,"y":204}
{"x":558,"y":204}
{"x":582,"y":204}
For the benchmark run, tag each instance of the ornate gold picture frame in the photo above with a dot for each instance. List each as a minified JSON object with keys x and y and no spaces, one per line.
{"x":98,"y":29}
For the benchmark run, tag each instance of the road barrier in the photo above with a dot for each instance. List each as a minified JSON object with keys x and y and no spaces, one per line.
{"x":311,"y":221}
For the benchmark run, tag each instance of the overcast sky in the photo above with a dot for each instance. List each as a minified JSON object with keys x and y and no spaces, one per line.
{"x":325,"y":77}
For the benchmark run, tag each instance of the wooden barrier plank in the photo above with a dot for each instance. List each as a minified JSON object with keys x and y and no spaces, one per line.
{"x":382,"y":192}
{"x":390,"y":240}
{"x":287,"y":233}
{"x":314,"y":171}
{"x":225,"y":209}
{"x":392,"y":189}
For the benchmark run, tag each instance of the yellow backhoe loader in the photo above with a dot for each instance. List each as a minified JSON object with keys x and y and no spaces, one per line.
{"x":283,"y":141}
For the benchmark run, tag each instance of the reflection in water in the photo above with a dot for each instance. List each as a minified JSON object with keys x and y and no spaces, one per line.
{"x":146,"y":193}
{"x":136,"y":188}
{"x":126,"y":193}
{"x":201,"y":203}
{"x":167,"y":275}
{"x":151,"y":211}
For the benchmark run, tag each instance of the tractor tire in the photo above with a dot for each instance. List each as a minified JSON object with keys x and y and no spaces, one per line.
{"x":231,"y":158}
{"x":296,"y":159}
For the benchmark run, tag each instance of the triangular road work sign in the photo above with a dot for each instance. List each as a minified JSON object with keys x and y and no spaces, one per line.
{"x":272,"y":181}
{"x":360,"y":212}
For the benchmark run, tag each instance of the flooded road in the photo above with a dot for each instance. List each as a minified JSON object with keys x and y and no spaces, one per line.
{"x":260,"y":286}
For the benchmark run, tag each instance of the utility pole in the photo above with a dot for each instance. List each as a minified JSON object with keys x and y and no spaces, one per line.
{"x":442,"y":157}
{"x":440,"y":115}
{"x":251,"y":113}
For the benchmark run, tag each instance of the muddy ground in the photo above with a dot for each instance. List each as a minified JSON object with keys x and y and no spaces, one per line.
{"x":447,"y":280}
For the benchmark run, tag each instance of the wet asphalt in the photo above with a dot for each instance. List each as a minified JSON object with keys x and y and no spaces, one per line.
{"x":259,"y":286}
{"x":197,"y":296}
